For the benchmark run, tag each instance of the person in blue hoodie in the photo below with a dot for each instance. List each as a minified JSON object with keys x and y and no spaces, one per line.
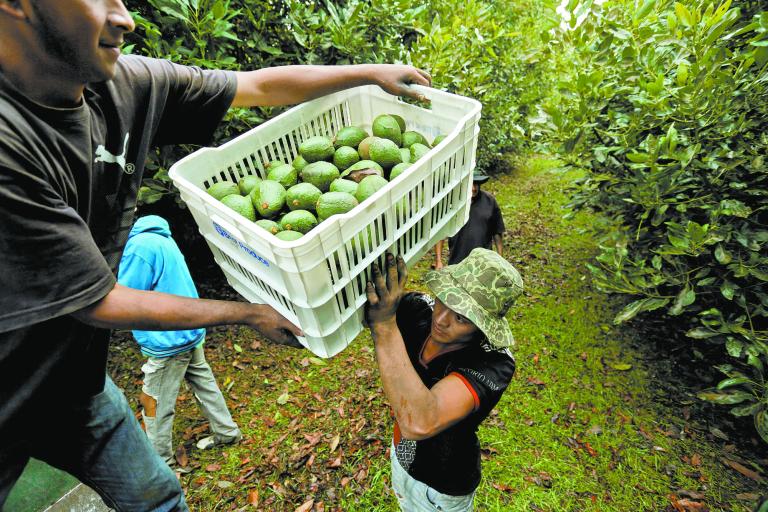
{"x":153,"y":261}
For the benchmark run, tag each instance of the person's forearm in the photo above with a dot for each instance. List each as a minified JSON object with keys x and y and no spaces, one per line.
{"x":499,"y":244}
{"x":289,"y":85}
{"x":412,"y":402}
{"x":126,"y":308}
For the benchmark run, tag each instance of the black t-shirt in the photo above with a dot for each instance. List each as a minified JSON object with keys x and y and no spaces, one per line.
{"x":450,"y":461}
{"x":484,"y":221}
{"x":68,"y":185}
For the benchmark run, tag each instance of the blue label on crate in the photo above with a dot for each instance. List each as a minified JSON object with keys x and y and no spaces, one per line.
{"x":250,"y":252}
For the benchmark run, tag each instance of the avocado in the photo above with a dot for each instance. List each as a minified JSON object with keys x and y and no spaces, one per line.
{"x":320,"y":174}
{"x":387,"y":127}
{"x":302,"y":196}
{"x":222,"y":189}
{"x":333,"y":203}
{"x":271,"y":165}
{"x":342,"y":185}
{"x":241,"y":205}
{"x":345,"y":156}
{"x":418,"y":150}
{"x":405,"y":155}
{"x":385,"y":153}
{"x":247,"y":183}
{"x":299,"y":163}
{"x":368,"y":186}
{"x":363,"y":164}
{"x":400,"y":121}
{"x":362,"y":148}
{"x":410,"y":138}
{"x":397,"y":170}
{"x":298,"y":220}
{"x":315,"y":149}
{"x":270,"y":225}
{"x":288,"y":236}
{"x":438,"y":140}
{"x":349,"y":136}
{"x":268,"y":198}
{"x":284,"y":174}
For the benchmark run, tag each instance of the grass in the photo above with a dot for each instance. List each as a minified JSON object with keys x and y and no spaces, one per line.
{"x":586,"y":425}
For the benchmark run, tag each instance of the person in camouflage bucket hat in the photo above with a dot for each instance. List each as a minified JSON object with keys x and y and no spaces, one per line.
{"x":482,"y":287}
{"x":444,"y":363}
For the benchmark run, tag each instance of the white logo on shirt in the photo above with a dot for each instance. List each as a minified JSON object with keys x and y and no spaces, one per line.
{"x":102,"y":155}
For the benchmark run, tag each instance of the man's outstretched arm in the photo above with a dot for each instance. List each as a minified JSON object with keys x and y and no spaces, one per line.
{"x":126,"y":308}
{"x":289,"y":85}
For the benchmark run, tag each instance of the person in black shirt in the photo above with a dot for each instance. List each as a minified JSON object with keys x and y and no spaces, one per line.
{"x":444,"y":364}
{"x":484,"y":226}
{"x":77,"y":120}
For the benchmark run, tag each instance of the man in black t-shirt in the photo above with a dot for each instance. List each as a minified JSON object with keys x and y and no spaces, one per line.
{"x":484,"y":227}
{"x":77,"y":121}
{"x":444,"y":364}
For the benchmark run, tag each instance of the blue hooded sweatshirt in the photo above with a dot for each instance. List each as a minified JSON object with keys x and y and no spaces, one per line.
{"x":153,"y":261}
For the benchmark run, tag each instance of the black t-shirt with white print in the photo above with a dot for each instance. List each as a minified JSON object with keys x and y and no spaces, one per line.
{"x":450,"y":461}
{"x":68,"y":185}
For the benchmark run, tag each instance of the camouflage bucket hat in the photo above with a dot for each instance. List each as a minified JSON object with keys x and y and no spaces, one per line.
{"x":482,"y":288}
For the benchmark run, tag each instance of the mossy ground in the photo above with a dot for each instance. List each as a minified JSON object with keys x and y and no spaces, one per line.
{"x":586,"y":425}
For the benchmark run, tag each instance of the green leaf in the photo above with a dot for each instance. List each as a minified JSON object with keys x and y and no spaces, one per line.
{"x":237,"y":347}
{"x":683,"y":14}
{"x":644,"y":9}
{"x":761,"y":424}
{"x":727,"y":289}
{"x":638,"y":306}
{"x":735,"y":397}
{"x":283,"y":399}
{"x":700,"y":333}
{"x":722,"y":255}
{"x":621,"y":366}
{"x":317,"y":361}
{"x":734,"y":347}
{"x":747,"y":410}
{"x":686,"y":297}
{"x":732,"y":382}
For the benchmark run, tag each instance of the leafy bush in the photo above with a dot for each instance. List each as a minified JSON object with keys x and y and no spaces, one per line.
{"x":666,"y":110}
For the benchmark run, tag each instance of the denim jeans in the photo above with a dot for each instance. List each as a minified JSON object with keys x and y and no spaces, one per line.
{"x":162,"y":378}
{"x":100,"y":443}
{"x":416,"y":496}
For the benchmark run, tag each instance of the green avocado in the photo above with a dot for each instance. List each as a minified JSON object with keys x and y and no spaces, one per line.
{"x":299,"y":163}
{"x":288,"y":236}
{"x":385,"y":153}
{"x":400,"y":121}
{"x":410,"y":138}
{"x":270,"y":225}
{"x":284,"y":174}
{"x":438,"y":140}
{"x":333,"y":203}
{"x":368,"y":186}
{"x":241,"y":205}
{"x":268,"y":198}
{"x":397,"y":170}
{"x":302,"y":196}
{"x":315,"y":149}
{"x":349,"y":136}
{"x":363,"y":147}
{"x":342,"y":185}
{"x":387,"y":127}
{"x":320,"y":174}
{"x":405,"y":155}
{"x":222,"y":189}
{"x":298,"y":220}
{"x":247,"y":183}
{"x":345,"y":156}
{"x":418,"y":150}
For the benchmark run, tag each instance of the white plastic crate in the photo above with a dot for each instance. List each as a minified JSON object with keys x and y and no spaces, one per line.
{"x":318,"y":281}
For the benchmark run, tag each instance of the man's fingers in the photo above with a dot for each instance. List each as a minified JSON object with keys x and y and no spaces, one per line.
{"x":293,"y":329}
{"x":425,"y":75}
{"x":370,"y":293}
{"x":402,"y":272}
{"x":392,"y":269}
{"x":378,"y":280}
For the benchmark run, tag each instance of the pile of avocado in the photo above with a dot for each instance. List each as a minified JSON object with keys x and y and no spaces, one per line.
{"x":328,"y":177}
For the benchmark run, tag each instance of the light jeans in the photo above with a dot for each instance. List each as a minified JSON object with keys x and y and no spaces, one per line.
{"x":416,"y":496}
{"x":162,"y":378}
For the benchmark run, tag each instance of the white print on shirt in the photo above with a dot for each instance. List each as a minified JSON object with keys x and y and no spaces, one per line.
{"x":102,"y":155}
{"x":482,"y":378}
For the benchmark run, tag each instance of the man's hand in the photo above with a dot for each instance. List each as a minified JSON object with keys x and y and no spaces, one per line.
{"x":396,"y":79}
{"x":274,"y":326}
{"x":384,"y":293}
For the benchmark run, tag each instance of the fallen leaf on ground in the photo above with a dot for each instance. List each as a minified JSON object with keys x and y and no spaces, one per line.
{"x":213,"y":467}
{"x":742,"y":469}
{"x":253,"y":497}
{"x":335,"y":443}
{"x":306,"y":506}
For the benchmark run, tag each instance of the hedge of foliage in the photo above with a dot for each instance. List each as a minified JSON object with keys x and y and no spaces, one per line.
{"x":667,"y":111}
{"x":498,"y":52}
